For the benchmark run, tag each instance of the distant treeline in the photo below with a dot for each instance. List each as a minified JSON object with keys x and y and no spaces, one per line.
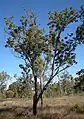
{"x":23,"y":87}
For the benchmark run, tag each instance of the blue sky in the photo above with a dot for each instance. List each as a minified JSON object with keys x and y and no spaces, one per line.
{"x":8,"y":8}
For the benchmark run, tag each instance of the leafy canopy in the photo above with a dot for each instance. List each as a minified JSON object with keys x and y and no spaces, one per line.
{"x":29,"y":42}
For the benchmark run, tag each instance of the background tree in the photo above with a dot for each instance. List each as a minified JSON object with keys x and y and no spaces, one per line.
{"x":21,"y":88}
{"x":67,"y":83}
{"x":29,"y":42}
{"x":4,"y":77}
{"x":79,"y":81}
{"x":53,"y":90}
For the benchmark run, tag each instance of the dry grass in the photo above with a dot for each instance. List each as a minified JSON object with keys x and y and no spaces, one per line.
{"x":54,"y":108}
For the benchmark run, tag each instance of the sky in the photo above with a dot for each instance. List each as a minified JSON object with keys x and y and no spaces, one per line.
{"x":8,"y":62}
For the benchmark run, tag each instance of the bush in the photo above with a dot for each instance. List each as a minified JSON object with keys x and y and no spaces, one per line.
{"x":9,"y":94}
{"x":77,"y":108}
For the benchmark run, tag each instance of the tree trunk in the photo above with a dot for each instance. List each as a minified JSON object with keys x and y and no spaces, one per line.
{"x":35,"y":104}
{"x":41,"y":88}
{"x":35,"y":97}
{"x":41,"y":101}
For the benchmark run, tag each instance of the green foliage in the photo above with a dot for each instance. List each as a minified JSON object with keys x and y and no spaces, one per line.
{"x":4,"y":77}
{"x":21,"y":88}
{"x":80,"y":29}
{"x":39,"y":66}
{"x":67,"y":83}
{"x":62,"y":19}
{"x":64,"y":47}
{"x":9,"y":94}
{"x":53,"y":90}
{"x":79,"y":81}
{"x":78,"y":108}
{"x":28,"y":41}
{"x":64,"y":86}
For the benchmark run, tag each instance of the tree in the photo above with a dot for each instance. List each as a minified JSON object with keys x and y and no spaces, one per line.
{"x":28,"y":41}
{"x":80,"y":29}
{"x":79,"y":81}
{"x":67,"y":83}
{"x":53,"y":90}
{"x":4,"y":77}
{"x":22,"y":87}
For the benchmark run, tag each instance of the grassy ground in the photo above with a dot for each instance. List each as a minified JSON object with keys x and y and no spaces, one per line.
{"x":54,"y":108}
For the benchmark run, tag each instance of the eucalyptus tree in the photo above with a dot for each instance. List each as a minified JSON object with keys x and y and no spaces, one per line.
{"x":4,"y":77}
{"x":79,"y":81}
{"x":67,"y":83}
{"x":28,"y":42}
{"x":57,"y":48}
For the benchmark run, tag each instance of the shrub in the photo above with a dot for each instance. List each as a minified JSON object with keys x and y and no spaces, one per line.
{"x":77,"y":108}
{"x":9,"y":94}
